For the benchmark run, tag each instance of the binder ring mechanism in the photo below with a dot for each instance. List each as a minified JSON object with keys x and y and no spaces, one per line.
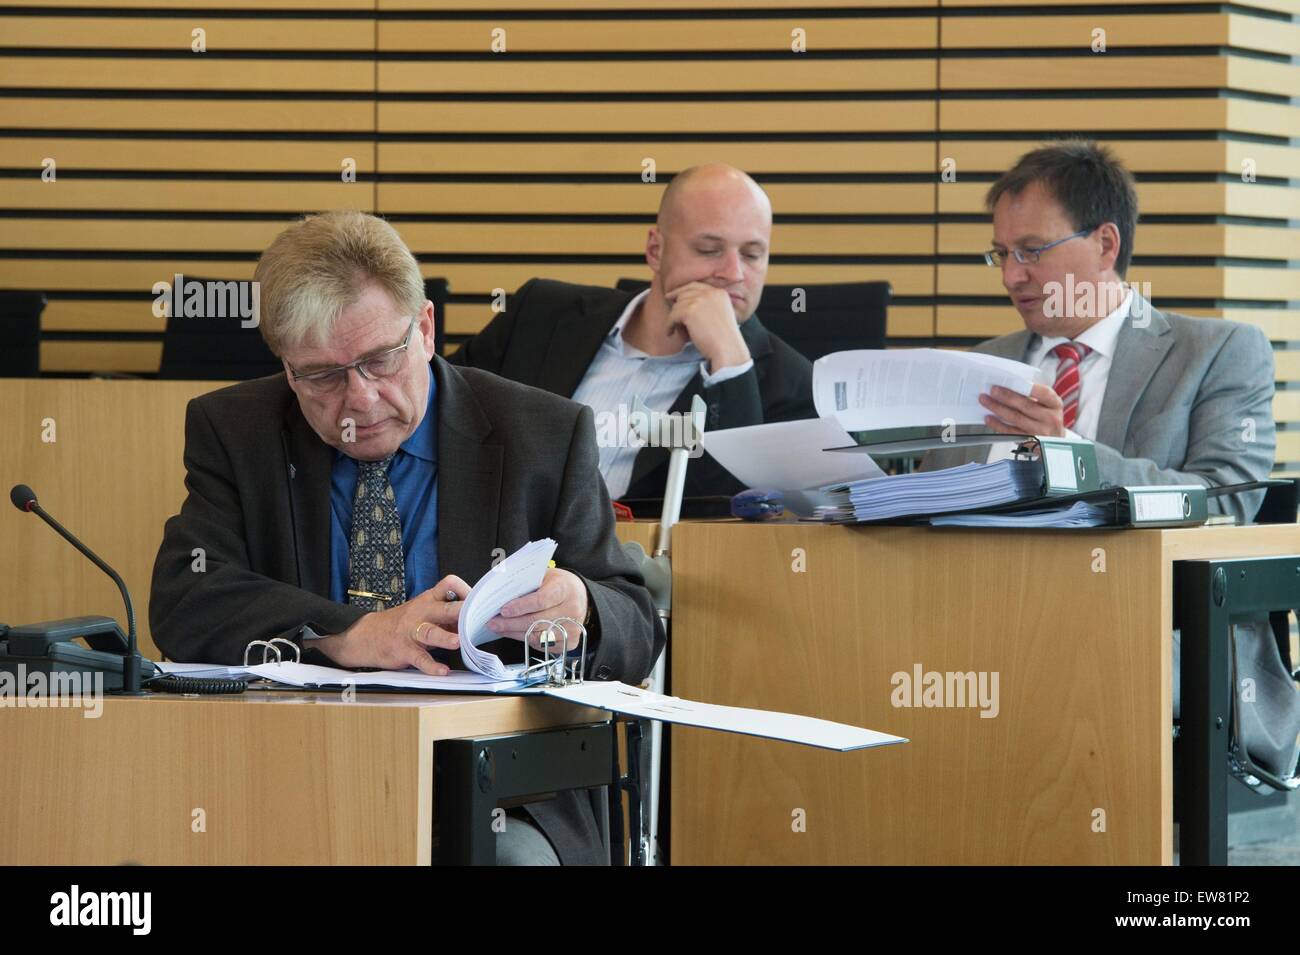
{"x":553,"y":667}
{"x":269,"y":647}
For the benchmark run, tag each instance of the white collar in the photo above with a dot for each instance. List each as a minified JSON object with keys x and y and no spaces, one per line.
{"x":688,"y":351}
{"x":632,"y":306}
{"x":1100,"y":336}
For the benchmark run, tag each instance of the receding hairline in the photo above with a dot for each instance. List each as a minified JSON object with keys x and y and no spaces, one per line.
{"x":722,"y":171}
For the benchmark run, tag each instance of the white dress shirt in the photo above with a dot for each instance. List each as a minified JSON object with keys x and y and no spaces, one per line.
{"x":621,"y":372}
{"x":1094,"y":372}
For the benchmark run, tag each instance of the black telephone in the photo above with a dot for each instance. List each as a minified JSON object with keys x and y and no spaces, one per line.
{"x":47,"y":647}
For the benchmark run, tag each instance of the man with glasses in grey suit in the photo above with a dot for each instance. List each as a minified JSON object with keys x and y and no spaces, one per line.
{"x":1167,"y":399}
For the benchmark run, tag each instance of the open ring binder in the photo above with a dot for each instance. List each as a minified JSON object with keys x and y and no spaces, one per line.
{"x":269,"y":647}
{"x":557,"y":670}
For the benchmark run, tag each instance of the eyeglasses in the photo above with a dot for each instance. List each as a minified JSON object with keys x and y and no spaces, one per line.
{"x":383,"y":365}
{"x":998,"y":257}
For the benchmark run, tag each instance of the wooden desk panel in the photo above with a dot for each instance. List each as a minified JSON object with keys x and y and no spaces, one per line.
{"x":283,"y":778}
{"x":1083,"y":658}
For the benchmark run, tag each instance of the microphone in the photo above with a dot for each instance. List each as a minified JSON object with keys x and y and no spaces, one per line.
{"x":24,"y":498}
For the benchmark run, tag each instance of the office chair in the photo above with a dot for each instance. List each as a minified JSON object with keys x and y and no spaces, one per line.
{"x":20,"y":333}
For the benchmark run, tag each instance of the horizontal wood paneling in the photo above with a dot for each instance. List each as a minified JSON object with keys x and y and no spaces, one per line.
{"x":651,"y":118}
{"x":348,"y":116}
{"x":699,"y":34}
{"x":499,"y":167}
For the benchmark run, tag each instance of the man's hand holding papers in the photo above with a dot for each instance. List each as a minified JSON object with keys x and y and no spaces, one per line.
{"x":1039,"y":412}
{"x":402,"y":636}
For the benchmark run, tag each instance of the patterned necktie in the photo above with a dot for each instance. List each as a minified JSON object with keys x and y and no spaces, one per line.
{"x":375,"y":562}
{"x":1069,"y":354}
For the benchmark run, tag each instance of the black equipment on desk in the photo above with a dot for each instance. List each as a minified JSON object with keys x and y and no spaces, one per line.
{"x":47,"y":646}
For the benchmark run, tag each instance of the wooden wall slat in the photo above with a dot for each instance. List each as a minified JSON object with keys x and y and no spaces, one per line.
{"x":112,"y":275}
{"x":439,"y":238}
{"x":1119,"y":115}
{"x":645,"y":6}
{"x":180,"y":195}
{"x":1281,"y":6}
{"x":174,"y":33}
{"x":72,"y":356}
{"x":1288,"y":446}
{"x":791,"y":74}
{"x":650,"y":35}
{"x":1122,"y":31}
{"x":626,"y":158}
{"x":555,"y":239}
{"x":1141,"y":156}
{"x":640,"y":198}
{"x":329,"y":6}
{"x":1287,"y":367}
{"x":651,"y":118}
{"x":117,"y":73}
{"x":181,"y":155}
{"x":101,"y":315}
{"x":1117,"y":71}
{"x":350,"y":117}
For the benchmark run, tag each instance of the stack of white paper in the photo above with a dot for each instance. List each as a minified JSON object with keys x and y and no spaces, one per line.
{"x":519,"y":574}
{"x":871,"y":390}
{"x":966,"y":488}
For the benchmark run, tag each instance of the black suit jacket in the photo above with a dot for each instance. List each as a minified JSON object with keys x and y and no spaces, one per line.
{"x":550,"y":331}
{"x":514,"y":464}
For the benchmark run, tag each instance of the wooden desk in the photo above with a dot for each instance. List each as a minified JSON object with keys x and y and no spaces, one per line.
{"x":1083,"y":732}
{"x":275,"y":777}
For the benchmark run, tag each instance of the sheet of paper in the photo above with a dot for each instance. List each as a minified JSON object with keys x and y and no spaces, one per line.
{"x":632,"y":701}
{"x":520,"y":573}
{"x":873,"y":389}
{"x":306,"y":675}
{"x":790,"y":455}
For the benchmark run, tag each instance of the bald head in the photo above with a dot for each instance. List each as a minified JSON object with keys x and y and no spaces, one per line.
{"x":715,"y":183}
{"x":714,"y":226}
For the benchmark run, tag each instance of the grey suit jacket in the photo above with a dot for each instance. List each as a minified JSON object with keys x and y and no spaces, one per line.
{"x":515,"y":464}
{"x":1188,"y":401}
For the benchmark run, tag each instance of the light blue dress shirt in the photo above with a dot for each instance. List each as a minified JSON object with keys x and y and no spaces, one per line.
{"x":620,"y":373}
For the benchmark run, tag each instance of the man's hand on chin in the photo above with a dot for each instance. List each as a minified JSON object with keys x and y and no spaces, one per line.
{"x":707,"y":316}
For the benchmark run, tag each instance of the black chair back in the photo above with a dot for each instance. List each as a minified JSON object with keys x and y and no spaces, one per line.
{"x":20,"y":333}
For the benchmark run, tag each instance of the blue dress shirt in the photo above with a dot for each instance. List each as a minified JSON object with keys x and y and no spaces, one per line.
{"x":414,"y":477}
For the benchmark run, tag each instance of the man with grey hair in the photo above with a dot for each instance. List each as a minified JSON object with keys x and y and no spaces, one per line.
{"x":346,"y":503}
{"x":692,"y":332}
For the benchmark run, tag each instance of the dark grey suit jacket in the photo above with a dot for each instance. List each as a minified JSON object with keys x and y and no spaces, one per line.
{"x":1188,"y":401}
{"x":514,"y":464}
{"x":551,"y":331}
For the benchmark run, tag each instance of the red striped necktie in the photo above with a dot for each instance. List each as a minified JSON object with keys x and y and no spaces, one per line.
{"x":1069,"y":354}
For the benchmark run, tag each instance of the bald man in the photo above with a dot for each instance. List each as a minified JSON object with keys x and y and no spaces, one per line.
{"x":693,"y":332}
